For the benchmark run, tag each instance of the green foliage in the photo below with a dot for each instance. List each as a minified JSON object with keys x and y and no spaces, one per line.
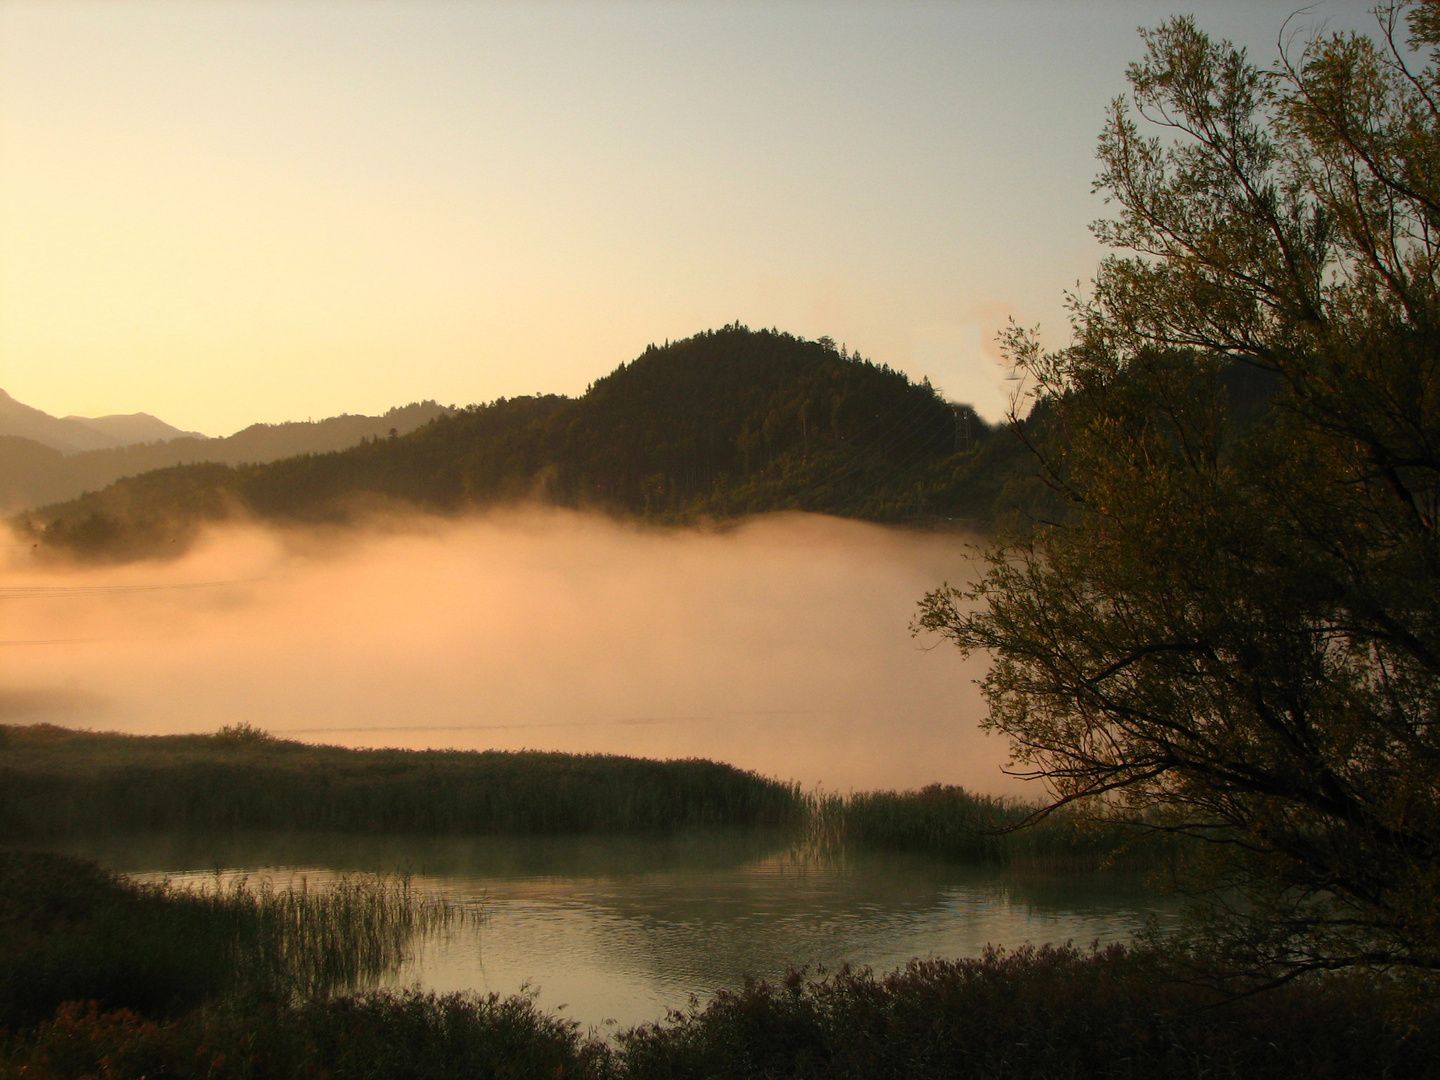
{"x":58,"y":782}
{"x":1232,"y":634}
{"x":722,"y":424}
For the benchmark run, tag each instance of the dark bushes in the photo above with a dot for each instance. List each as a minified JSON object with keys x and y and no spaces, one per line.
{"x":407,"y":1036}
{"x":1037,"y":1014}
{"x":1053,"y":1013}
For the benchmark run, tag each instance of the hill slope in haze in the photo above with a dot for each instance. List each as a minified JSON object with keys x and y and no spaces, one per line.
{"x":66,"y":435}
{"x":722,"y":424}
{"x":128,"y":429}
{"x":32,"y":474}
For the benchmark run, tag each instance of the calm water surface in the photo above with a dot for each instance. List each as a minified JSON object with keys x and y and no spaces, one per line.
{"x":622,"y":929}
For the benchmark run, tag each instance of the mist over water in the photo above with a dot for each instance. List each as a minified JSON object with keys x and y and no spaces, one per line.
{"x":780,"y":645}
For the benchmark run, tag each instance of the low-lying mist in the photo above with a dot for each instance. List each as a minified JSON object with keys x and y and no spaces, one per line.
{"x":781,"y":645}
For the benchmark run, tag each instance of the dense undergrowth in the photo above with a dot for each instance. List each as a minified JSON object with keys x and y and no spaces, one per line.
{"x":148,"y":983}
{"x":1044,"y":1014}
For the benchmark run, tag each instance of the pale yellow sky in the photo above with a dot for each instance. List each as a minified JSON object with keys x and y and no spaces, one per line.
{"x":229,"y":212}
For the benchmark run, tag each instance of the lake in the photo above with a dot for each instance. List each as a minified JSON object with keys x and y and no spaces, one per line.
{"x":622,"y":929}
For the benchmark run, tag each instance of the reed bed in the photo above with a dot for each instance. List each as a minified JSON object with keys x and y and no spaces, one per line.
{"x":70,"y":931}
{"x":310,"y":940}
{"x":56,"y":782}
{"x":956,"y":824}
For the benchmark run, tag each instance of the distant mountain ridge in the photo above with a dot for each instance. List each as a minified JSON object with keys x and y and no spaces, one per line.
{"x":69,"y":435}
{"x":76,"y":434}
{"x":722,"y":424}
{"x":37,"y":472}
{"x":130,"y":428}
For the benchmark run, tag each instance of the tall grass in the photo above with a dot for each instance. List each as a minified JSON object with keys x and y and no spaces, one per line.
{"x":307,"y":941}
{"x":957,"y":824}
{"x":72,"y":931}
{"x":57,"y":782}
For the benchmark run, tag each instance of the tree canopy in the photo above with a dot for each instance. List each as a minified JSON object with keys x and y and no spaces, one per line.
{"x":1233,"y":630}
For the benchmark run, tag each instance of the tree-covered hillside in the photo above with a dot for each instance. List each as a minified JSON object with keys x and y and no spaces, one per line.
{"x":725,"y":423}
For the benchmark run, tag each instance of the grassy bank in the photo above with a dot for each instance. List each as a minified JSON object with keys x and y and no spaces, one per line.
{"x":58,"y":782}
{"x":70,"y":931}
{"x":959,"y":825}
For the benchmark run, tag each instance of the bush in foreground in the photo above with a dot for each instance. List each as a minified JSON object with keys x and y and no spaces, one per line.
{"x":1052,"y":1013}
{"x":404,"y":1036}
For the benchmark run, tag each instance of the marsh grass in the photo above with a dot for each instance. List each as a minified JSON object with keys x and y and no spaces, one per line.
{"x":962,"y":826}
{"x":70,"y":931}
{"x":57,"y":782}
{"x":307,"y":940}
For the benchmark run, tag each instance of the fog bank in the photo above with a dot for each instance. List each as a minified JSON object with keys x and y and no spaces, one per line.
{"x":781,"y":645}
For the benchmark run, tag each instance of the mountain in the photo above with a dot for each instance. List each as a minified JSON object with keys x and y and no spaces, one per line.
{"x":129,"y":428}
{"x":722,"y":424}
{"x":68,"y":436}
{"x":32,"y":474}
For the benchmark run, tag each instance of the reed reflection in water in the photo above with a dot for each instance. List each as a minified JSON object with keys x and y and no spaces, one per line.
{"x":624,"y":928}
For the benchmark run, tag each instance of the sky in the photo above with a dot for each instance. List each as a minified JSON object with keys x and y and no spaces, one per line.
{"x":224,"y":213}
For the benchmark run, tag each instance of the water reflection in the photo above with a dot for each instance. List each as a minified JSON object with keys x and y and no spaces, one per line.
{"x":624,"y":928}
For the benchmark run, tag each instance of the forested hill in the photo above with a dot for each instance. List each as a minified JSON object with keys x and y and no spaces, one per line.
{"x":725,"y":423}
